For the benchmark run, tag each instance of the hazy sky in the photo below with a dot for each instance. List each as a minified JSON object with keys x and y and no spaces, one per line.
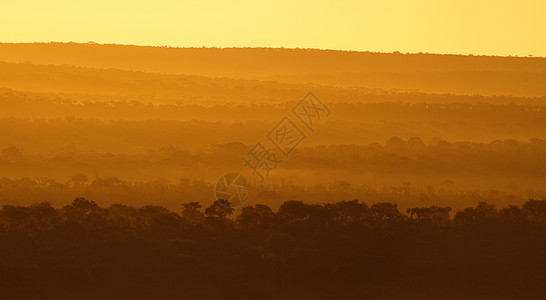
{"x":440,"y":26}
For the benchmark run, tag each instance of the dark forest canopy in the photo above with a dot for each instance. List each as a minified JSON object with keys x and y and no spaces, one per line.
{"x":337,"y":250}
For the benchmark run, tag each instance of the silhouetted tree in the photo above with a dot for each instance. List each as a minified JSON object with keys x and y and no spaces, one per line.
{"x":432,"y":215}
{"x":293,"y":210}
{"x":257,"y":217}
{"x":483,"y":212}
{"x":192,"y":214}
{"x":219,"y":209}
{"x":536,"y":210}
{"x":385,"y":212}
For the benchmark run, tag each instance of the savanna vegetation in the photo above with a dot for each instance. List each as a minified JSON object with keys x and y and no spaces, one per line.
{"x":347,"y":250}
{"x":445,"y":154}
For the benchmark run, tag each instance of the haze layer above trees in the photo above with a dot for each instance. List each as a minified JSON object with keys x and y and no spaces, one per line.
{"x":154,"y":117}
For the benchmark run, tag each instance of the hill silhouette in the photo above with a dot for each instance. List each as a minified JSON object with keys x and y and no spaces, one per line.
{"x":488,"y":75}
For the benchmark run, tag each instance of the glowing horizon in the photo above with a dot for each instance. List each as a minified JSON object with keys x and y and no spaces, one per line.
{"x":463,"y":27}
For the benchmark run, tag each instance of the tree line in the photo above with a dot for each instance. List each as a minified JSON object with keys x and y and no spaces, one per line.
{"x":346,"y":249}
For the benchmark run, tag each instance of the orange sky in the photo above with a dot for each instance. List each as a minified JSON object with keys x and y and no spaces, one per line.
{"x":494,"y":27}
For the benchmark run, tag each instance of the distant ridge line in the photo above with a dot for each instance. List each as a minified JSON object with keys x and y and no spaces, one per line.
{"x":273,"y":48}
